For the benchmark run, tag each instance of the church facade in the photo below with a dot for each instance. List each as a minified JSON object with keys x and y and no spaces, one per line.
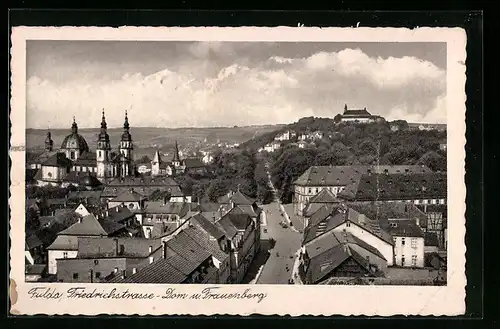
{"x":75,"y":164}
{"x":357,"y":116}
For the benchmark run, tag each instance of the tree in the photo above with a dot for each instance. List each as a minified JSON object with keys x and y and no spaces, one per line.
{"x":337,"y":118}
{"x":401,"y":124}
{"x":216,"y":189}
{"x":32,"y":219}
{"x":433,"y":161}
{"x":145,"y":159}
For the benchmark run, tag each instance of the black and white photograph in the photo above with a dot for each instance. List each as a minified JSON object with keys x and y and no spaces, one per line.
{"x":252,"y":163}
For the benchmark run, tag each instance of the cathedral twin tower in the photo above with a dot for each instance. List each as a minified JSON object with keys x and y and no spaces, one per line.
{"x":110,"y":165}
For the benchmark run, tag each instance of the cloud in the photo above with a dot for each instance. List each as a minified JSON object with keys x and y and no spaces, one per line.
{"x":198,"y":92}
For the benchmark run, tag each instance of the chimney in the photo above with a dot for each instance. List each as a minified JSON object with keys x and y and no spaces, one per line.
{"x":79,"y":219}
{"x":117,"y":209}
{"x":107,"y":213}
{"x":417,"y":221}
{"x":150,"y":249}
{"x":369,"y":171}
{"x":124,"y":274}
{"x":116,"y":246}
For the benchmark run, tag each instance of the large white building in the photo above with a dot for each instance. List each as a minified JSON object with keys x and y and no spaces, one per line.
{"x":357,"y":116}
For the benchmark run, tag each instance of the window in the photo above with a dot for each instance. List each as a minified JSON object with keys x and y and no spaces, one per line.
{"x":402,"y":241}
{"x":131,"y":205}
{"x":96,"y":262}
{"x":414,"y":260}
{"x":134,"y":270}
{"x":414,"y":243}
{"x":348,"y":224}
{"x":97,"y":275}
{"x":402,"y":260}
{"x":309,"y":190}
{"x":433,"y":201}
{"x":316,"y":190}
{"x":65,"y":254}
{"x":75,"y":276}
{"x":417,"y":201}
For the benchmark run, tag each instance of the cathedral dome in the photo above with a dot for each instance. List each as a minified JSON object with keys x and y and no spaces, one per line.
{"x":75,"y":140}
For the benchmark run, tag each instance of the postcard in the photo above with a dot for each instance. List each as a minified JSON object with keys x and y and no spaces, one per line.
{"x":203,"y":171}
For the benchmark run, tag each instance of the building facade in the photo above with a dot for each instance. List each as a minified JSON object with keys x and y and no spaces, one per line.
{"x":337,"y":178}
{"x":357,"y":116}
{"x":408,"y":243}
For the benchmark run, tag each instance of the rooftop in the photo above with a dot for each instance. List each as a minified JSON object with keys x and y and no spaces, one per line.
{"x":347,"y":175}
{"x":404,"y":228}
{"x":237,"y":198}
{"x":128,"y":196}
{"x":323,"y":264}
{"x":207,"y":226}
{"x":58,"y":160}
{"x":324,"y":196}
{"x":160,"y":207}
{"x":128,"y":247}
{"x":330,"y":217}
{"x":333,"y":239}
{"x":397,"y":187}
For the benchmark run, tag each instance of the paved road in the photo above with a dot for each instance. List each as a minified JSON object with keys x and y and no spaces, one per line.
{"x":287,"y":243}
{"x":282,"y":253}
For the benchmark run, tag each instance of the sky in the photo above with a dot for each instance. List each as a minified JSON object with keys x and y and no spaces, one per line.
{"x":208,"y":84}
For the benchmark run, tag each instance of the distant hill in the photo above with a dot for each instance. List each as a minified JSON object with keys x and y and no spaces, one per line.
{"x":311,"y":124}
{"x":148,"y":139}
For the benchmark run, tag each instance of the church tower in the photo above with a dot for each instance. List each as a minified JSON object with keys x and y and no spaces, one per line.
{"x":155,"y":164}
{"x":126,"y":150}
{"x":103,"y":152}
{"x":49,"y":143}
{"x":176,"y":160}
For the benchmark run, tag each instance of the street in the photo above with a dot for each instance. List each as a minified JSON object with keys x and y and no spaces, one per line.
{"x":287,"y":243}
{"x":278,"y":268}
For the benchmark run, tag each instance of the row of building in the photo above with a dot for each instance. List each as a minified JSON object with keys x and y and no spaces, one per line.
{"x":361,"y":221}
{"x":141,"y":241}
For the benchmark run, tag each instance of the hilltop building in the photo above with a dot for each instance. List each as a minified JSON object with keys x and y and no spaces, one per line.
{"x":357,"y":116}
